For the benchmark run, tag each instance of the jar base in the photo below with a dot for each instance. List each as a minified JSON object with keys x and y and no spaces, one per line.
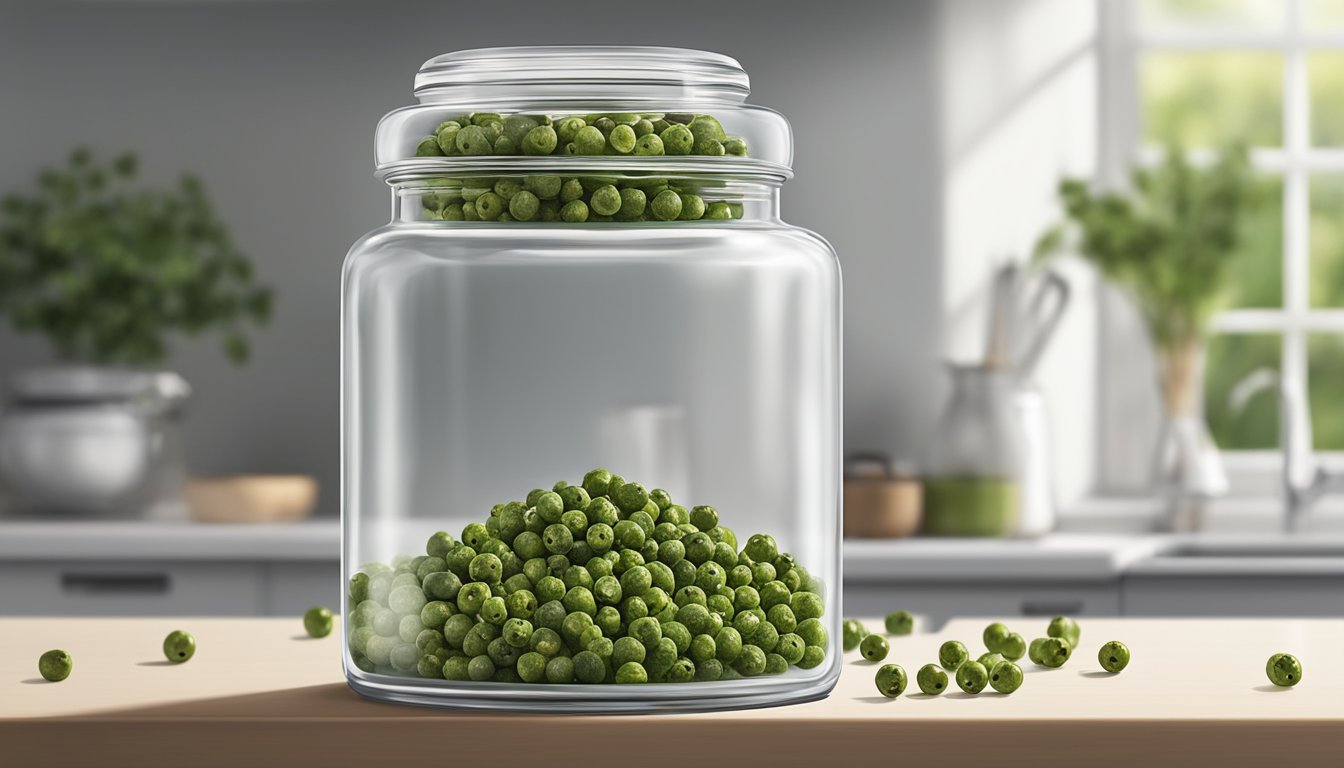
{"x":607,"y":699}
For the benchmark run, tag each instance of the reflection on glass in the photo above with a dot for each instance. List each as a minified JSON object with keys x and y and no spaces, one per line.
{"x":1205,"y":15}
{"x":1214,"y":98}
{"x":1256,"y":277}
{"x":1231,"y":357}
{"x":1325,"y":371}
{"x":1325,"y":73}
{"x":1327,"y":241}
{"x":1323,"y":15}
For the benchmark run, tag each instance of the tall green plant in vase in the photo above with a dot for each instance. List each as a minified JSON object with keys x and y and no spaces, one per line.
{"x":1168,"y":241}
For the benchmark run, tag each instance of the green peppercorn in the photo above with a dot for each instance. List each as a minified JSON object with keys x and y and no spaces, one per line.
{"x":622,"y":139}
{"x":900,"y":623}
{"x":481,"y":668}
{"x":428,"y":147}
{"x":1284,"y":670}
{"x":1005,"y":677}
{"x":574,"y":212}
{"x":532,"y":667}
{"x":994,"y":636}
{"x":932,"y":680}
{"x":952,"y":654}
{"x":1065,"y":628}
{"x":718,"y":210}
{"x":1113,"y":656}
{"x":1013,"y":647}
{"x":677,"y":140}
{"x":560,"y":670}
{"x":1051,"y":651}
{"x":666,"y":206}
{"x":874,"y":648}
{"x":317,"y":621}
{"x":633,"y":204}
{"x":56,"y":665}
{"x":812,"y":657}
{"x":750,"y":662}
{"x":692,"y":208}
{"x":988,"y":660}
{"x":589,"y":140}
{"x":473,"y":140}
{"x":631,"y":672}
{"x":890,"y":680}
{"x":179,"y":646}
{"x":972,"y":677}
{"x":649,"y":145}
{"x":541,"y":140}
{"x":852,"y":632}
{"x":524,"y":205}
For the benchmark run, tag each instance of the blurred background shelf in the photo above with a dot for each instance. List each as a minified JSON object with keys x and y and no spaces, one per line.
{"x":138,"y":568}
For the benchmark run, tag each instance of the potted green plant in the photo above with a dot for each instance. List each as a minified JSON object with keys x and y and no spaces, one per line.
{"x":1169,"y":242}
{"x":108,"y":270}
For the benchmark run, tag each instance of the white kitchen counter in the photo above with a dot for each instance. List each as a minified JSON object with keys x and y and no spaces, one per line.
{"x":1069,"y":556}
{"x":131,"y":540}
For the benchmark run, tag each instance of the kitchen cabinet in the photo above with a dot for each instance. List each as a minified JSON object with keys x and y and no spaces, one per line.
{"x":258,"y":693}
{"x":941,"y":600}
{"x":1157,"y":594}
{"x":168,"y":569}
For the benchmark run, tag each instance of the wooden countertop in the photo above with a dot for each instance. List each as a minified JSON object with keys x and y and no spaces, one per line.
{"x":259,"y":691}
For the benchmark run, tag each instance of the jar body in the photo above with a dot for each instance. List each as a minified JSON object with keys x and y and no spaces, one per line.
{"x":973,"y":483}
{"x":480,"y":361}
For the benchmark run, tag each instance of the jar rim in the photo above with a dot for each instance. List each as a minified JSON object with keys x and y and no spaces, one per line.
{"x":583,"y":65}
{"x":745,"y":169}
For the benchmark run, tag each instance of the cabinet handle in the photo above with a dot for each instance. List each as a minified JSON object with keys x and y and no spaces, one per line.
{"x":1051,"y":607}
{"x":115,"y":583}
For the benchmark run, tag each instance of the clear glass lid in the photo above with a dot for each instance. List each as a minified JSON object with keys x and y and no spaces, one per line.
{"x":500,"y":94}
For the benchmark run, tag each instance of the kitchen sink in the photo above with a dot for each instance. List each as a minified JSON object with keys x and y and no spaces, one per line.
{"x":1272,"y":549}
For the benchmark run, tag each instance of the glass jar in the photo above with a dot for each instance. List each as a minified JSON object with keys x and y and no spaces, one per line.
{"x":693,"y":350}
{"x":973,"y":482}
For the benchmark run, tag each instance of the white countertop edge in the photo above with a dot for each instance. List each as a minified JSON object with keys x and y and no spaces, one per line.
{"x":1076,"y":557}
{"x":312,"y":540}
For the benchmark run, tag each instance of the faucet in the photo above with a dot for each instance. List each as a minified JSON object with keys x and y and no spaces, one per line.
{"x":1304,"y":481}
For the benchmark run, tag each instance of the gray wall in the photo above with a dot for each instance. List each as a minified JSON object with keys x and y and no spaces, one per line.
{"x":274,"y":105}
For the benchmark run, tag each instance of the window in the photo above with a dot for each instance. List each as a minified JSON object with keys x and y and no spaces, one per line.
{"x":1268,"y":73}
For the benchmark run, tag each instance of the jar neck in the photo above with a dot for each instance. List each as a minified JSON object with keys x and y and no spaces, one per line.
{"x":453,"y":200}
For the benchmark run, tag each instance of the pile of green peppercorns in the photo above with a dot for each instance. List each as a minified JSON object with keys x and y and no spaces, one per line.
{"x":602,"y":582}
{"x":575,"y":200}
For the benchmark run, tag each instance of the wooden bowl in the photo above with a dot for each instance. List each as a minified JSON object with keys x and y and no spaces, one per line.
{"x":882,"y":509}
{"x":251,"y":498}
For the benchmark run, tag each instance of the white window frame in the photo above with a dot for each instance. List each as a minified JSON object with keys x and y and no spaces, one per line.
{"x":1123,"y":44}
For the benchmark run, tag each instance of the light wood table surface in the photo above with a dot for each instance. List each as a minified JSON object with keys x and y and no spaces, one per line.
{"x":260,"y":693}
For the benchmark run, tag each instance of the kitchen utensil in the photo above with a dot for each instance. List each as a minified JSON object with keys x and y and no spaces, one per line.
{"x":1003,"y":316}
{"x":94,"y":441}
{"x":251,"y":498}
{"x":1026,"y":312}
{"x":1037,"y":513}
{"x":881,"y":500}
{"x":1038,"y":318}
{"x":975,"y":466}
